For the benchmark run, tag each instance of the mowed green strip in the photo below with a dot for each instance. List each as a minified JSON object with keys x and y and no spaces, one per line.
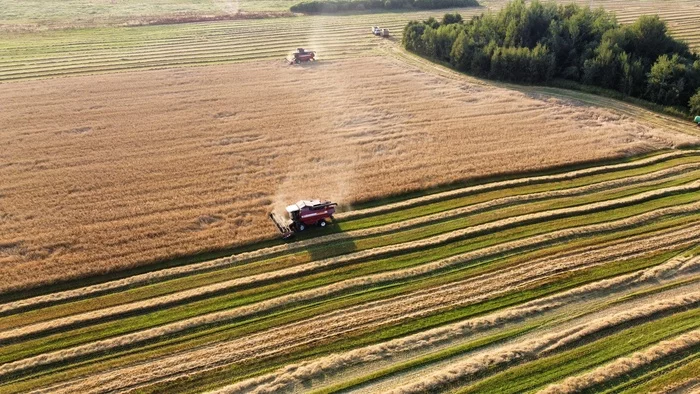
{"x":463,"y":348}
{"x":221,"y":376}
{"x":675,"y":374}
{"x":350,"y":245}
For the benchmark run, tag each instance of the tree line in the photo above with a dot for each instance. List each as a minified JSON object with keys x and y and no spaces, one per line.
{"x":332,"y":6}
{"x":546,"y":41}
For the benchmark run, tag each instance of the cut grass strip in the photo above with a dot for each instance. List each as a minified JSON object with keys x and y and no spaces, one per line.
{"x":674,"y":377}
{"x":618,"y":284}
{"x":624,"y":368}
{"x":433,"y":357}
{"x":187,"y":362}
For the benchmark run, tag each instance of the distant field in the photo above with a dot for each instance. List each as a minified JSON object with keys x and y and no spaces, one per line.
{"x":86,"y":51}
{"x":49,"y":14}
{"x":580,"y":279}
{"x":107,"y":172}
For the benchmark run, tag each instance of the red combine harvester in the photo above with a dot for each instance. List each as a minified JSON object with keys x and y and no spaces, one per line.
{"x":303,"y":214}
{"x":302,"y":56}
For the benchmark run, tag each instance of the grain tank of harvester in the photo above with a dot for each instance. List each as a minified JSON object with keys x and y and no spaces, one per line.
{"x":302,"y":56}
{"x":303,"y":214}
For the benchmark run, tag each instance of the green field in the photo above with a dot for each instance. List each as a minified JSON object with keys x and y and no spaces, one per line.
{"x":504,"y":264}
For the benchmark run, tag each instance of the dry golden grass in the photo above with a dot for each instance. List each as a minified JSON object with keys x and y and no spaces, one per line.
{"x":104,"y":173}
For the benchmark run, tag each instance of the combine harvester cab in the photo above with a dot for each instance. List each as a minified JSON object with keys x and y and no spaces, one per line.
{"x":303,"y":214}
{"x":302,"y":56}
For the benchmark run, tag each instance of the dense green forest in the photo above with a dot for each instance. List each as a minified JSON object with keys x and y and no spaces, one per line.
{"x":331,"y":6}
{"x":546,"y":41}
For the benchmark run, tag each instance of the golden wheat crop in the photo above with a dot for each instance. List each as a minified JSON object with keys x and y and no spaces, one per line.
{"x":99,"y":176}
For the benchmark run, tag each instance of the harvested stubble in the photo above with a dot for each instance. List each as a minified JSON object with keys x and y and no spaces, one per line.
{"x":80,"y":51}
{"x":110,"y":185}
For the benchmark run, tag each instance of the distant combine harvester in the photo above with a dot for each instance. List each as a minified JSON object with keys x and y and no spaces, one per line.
{"x":302,"y":56}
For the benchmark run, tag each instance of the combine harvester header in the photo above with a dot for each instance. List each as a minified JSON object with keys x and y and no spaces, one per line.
{"x":303,"y":214}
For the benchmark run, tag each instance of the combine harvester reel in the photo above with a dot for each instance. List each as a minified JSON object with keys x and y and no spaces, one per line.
{"x":303,"y":214}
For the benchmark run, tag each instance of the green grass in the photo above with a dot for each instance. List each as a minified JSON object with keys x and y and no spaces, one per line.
{"x":537,"y":374}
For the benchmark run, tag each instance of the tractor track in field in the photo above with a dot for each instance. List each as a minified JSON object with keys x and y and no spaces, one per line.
{"x":363,"y":317}
{"x":174,"y":272}
{"x":158,"y":302}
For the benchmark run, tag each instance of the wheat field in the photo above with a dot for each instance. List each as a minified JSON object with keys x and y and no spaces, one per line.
{"x":154,"y":165}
